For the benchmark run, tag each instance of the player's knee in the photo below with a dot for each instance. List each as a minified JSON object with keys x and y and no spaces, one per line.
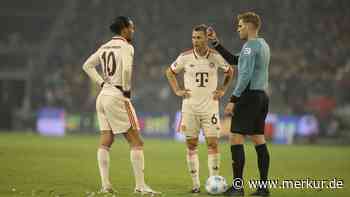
{"x":258,"y":139}
{"x":212,"y":146}
{"x":105,"y":147}
{"x":236,"y":139}
{"x":140,"y":143}
{"x":106,"y":140}
{"x":192,"y":145}
{"x":136,"y":143}
{"x":106,"y":143}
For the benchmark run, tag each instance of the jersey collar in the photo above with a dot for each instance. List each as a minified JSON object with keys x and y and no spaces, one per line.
{"x":119,"y":38}
{"x":196,"y":55}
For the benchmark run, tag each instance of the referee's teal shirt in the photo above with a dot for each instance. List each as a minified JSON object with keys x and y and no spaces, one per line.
{"x":253,"y":66}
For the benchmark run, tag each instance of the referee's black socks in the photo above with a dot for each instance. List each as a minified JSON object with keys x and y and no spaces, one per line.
{"x":238,"y":160}
{"x":263,"y":160}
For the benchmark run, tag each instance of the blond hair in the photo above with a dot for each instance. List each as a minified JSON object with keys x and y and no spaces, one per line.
{"x":250,"y":17}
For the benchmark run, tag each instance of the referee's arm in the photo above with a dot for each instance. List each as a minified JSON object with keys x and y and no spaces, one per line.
{"x":229,"y":57}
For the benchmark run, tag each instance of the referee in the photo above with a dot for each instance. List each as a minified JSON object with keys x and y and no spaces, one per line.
{"x":249,"y":102}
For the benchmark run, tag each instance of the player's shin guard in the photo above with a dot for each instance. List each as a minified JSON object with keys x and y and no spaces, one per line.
{"x":238,"y":160}
{"x":213,"y":162}
{"x":193,"y":166}
{"x":263,"y":160}
{"x":138,"y":164}
{"x":103,"y":164}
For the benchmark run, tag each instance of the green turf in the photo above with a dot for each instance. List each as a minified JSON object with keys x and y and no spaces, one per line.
{"x":31,"y":165}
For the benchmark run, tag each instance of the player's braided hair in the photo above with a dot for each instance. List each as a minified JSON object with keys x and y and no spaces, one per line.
{"x":119,"y":23}
{"x":250,"y":17}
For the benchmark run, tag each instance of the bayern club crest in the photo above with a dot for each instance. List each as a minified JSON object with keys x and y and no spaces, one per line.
{"x":211,"y":65}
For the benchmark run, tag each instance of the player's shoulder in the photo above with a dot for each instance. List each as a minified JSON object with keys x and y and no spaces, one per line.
{"x":251,"y":47}
{"x":214,"y":52}
{"x":104,"y":45}
{"x":119,"y":43}
{"x":186,"y":52}
{"x":254,"y":44}
{"x":110,"y":44}
{"x":129,"y":47}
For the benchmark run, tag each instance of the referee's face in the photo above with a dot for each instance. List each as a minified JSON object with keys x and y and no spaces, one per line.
{"x":242,"y":30}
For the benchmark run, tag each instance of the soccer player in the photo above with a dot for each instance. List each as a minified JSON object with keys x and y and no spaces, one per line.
{"x":249,"y":102}
{"x":115,"y":112}
{"x":200,"y":106}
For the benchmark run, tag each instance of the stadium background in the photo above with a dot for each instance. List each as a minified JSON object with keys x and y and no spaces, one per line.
{"x":44,"y":43}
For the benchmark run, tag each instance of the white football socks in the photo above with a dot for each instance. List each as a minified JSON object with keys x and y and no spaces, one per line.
{"x":193,"y":166}
{"x":103,"y":164}
{"x":213,"y":163}
{"x":138,"y":165}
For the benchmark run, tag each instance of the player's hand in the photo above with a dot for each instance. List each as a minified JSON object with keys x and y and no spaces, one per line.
{"x":218,"y":94}
{"x":183,"y":93}
{"x":212,"y":37}
{"x":228,"y":111}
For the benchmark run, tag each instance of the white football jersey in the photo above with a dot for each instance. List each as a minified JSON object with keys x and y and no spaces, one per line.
{"x":116,"y":59}
{"x":201,"y":78}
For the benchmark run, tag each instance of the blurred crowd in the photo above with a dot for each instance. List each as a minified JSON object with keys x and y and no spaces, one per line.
{"x":309,"y":40}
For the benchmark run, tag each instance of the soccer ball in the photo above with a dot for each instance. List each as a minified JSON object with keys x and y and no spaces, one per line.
{"x":216,"y":185}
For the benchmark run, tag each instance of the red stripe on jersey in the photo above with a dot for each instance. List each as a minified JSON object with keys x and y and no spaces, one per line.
{"x":136,"y":120}
{"x":130,"y":115}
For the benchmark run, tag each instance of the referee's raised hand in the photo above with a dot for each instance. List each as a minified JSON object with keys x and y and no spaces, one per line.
{"x":212,"y":37}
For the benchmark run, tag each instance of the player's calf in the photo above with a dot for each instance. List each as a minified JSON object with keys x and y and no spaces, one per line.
{"x":213,"y":156}
{"x":106,"y":140}
{"x":193,"y":161}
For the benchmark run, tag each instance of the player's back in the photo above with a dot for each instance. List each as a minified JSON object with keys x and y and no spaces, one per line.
{"x":114,"y":55}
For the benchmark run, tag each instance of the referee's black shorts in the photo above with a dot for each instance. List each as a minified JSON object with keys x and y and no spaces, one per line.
{"x":250,"y":112}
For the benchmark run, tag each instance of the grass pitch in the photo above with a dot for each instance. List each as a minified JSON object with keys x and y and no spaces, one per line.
{"x":32,"y":165}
